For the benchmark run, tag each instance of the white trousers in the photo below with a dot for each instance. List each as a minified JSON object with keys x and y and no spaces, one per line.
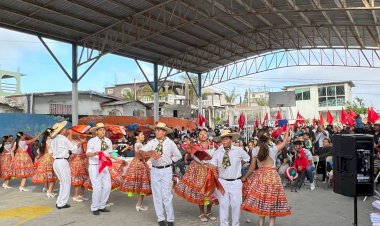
{"x":232,"y":197}
{"x":161,"y":181}
{"x":62,"y":170}
{"x":101,"y":186}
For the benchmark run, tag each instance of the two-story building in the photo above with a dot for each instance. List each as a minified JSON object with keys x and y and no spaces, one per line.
{"x":313,"y":99}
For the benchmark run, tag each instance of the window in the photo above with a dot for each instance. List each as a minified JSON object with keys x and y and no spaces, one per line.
{"x":126,"y":91}
{"x":331,"y":96}
{"x":302,"y":94}
{"x":115,"y":112}
{"x":60,"y":109}
{"x":110,"y":91}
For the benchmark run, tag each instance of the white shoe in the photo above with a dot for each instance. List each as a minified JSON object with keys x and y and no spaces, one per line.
{"x":141,"y":208}
{"x":312,"y":186}
{"x":77,"y":199}
{"x":50,"y":195}
{"x":23,"y":189}
{"x":203,"y":218}
{"x":211,"y":217}
{"x":109,"y":204}
{"x":83,"y":198}
{"x":5,"y":186}
{"x":44,"y":189}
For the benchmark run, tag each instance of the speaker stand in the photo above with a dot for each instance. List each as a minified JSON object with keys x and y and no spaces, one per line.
{"x":355,"y":211}
{"x":377,"y":196}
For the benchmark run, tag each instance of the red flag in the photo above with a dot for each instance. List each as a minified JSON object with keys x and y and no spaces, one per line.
{"x":343,"y":116}
{"x":104,"y":161}
{"x":278,"y":117}
{"x":352,"y":113}
{"x":314,"y":121}
{"x":373,"y":116}
{"x":265,"y":119}
{"x":257,"y":122}
{"x":369,"y":113}
{"x":300,"y":119}
{"x":350,"y":120}
{"x":241,"y":121}
{"x":330,"y":118}
{"x":321,"y":121}
{"x":201,"y":120}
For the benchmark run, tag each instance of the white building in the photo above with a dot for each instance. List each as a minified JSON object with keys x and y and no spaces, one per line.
{"x":313,"y":99}
{"x":89,"y":102}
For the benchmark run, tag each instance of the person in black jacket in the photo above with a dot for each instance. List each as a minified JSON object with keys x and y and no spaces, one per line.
{"x":323,"y":152}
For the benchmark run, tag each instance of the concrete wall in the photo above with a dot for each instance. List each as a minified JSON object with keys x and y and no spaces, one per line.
{"x":126,"y":109}
{"x":7,"y":109}
{"x":88,"y":104}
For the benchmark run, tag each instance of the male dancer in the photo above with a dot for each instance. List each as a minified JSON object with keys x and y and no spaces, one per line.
{"x":101,"y":181}
{"x":161,"y":172}
{"x":228,"y":158}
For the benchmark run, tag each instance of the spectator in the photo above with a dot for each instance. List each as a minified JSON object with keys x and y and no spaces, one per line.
{"x":321,"y":134}
{"x":309,"y":170}
{"x":301,"y":164}
{"x":323,"y":152}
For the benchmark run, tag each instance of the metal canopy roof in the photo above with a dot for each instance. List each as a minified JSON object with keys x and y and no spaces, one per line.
{"x":196,"y":35}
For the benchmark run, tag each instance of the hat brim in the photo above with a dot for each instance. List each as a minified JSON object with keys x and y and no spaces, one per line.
{"x":168,"y":130}
{"x":234,"y":136}
{"x":58,"y":129}
{"x":94,"y":129}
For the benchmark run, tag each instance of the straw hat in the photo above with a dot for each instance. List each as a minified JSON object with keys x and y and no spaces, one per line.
{"x":227,"y":133}
{"x":163,"y":126}
{"x":97,"y":126}
{"x":57,"y":128}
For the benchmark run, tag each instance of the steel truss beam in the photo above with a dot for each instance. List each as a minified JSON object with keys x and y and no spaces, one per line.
{"x":291,"y":58}
{"x":172,"y":15}
{"x":323,"y":36}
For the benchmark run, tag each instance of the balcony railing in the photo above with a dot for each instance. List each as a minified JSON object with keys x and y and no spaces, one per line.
{"x":207,"y":103}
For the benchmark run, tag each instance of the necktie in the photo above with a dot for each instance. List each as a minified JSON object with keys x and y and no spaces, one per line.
{"x":226,"y":159}
{"x":160,"y":147}
{"x":104,"y":145}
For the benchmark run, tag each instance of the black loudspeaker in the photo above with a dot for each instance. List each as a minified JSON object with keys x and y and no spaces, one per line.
{"x":353,"y":164}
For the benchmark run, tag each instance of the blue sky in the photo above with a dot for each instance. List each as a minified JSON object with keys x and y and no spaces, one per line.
{"x":24,"y":53}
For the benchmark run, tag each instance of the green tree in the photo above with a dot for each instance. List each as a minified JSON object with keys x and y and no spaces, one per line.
{"x":357,"y":106}
{"x":128,"y":96}
{"x":145,"y":91}
{"x":230,"y":97}
{"x":261,"y":102}
{"x":218,"y":121}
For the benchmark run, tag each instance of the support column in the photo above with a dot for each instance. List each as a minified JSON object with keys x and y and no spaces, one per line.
{"x":74,"y":97}
{"x":199,"y":93}
{"x":155,"y":91}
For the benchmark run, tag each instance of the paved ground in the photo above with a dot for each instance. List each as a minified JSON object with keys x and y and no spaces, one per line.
{"x":309,"y":208}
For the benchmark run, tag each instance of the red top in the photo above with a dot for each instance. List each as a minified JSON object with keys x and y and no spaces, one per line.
{"x":301,"y":161}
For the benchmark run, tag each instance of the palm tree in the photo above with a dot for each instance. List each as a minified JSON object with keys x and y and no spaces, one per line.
{"x":230,"y":98}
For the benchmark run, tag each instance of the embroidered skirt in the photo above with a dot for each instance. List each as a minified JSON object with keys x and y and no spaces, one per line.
{"x":264,"y":194}
{"x":44,"y":171}
{"x":22,"y":165}
{"x":78,"y":167}
{"x":6,"y":165}
{"x":192,"y":187}
{"x":136,"y":180}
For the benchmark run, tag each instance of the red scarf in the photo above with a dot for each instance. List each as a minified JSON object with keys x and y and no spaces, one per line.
{"x":104,"y":161}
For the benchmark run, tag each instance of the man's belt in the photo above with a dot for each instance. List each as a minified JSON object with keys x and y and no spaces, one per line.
{"x":62,"y":158}
{"x":162,"y":167}
{"x":231,"y":179}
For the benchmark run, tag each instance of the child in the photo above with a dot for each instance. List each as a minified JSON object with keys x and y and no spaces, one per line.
{"x":300,"y":163}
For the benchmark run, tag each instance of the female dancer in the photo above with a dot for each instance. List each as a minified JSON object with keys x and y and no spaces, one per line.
{"x":190,"y":186}
{"x":263,"y":193}
{"x":137,"y":177}
{"x":22,"y":164}
{"x":44,"y":172}
{"x":6,"y":159}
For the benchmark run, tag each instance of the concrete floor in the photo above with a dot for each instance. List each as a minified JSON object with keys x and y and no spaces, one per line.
{"x":309,"y":208}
